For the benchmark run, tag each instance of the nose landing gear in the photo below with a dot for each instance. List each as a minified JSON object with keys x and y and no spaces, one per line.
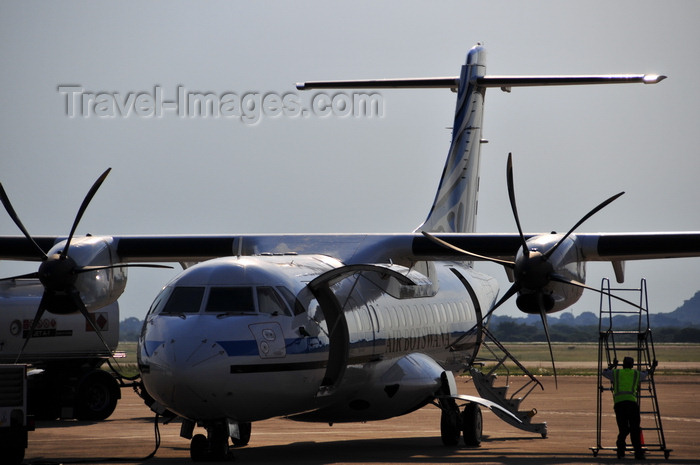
{"x":215,"y":445}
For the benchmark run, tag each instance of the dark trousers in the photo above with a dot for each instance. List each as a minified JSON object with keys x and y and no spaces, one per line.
{"x":627,"y":415}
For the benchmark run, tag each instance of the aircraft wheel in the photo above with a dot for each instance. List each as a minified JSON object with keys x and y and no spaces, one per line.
{"x":449,"y":424}
{"x":218,"y":443}
{"x":245,"y":430}
{"x":199,"y":448}
{"x":97,"y":397}
{"x":472,"y":425}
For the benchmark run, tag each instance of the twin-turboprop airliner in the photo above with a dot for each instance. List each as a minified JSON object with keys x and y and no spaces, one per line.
{"x":337,"y":327}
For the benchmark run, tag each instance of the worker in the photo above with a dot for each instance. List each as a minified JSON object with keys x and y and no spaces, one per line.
{"x":625,"y":387}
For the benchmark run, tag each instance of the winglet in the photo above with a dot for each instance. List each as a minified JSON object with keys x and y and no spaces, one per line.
{"x":653,"y":78}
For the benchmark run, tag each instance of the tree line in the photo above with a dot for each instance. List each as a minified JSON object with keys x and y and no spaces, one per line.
{"x":513,"y":330}
{"x":507,"y":329}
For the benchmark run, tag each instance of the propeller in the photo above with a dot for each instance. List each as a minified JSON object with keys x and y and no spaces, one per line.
{"x":58,"y":272}
{"x":532,"y":270}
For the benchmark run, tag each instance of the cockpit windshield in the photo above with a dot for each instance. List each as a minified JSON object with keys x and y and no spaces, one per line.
{"x":184,"y":300}
{"x":270,"y":302}
{"x":231,"y":300}
{"x":180,"y":300}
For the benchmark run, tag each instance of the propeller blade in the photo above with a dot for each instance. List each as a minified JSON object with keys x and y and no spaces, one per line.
{"x":511,"y":196}
{"x":83,"y":310}
{"x":33,"y":275}
{"x":39,"y":313}
{"x":543,"y":315}
{"x":604,"y":204}
{"x":13,"y":214}
{"x":509,"y":293}
{"x":446,"y":244}
{"x":573,"y":282}
{"x":85,"y":269}
{"x":86,"y":201}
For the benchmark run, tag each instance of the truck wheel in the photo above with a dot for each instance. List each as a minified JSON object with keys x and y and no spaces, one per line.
{"x":98,"y":393}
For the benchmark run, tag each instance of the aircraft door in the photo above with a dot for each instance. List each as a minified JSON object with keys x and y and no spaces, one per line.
{"x":471,"y":295}
{"x":337,"y":333}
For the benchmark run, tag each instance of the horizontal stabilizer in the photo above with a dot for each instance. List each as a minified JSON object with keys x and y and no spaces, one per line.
{"x":529,"y":81}
{"x":485,"y":81}
{"x":406,"y":83}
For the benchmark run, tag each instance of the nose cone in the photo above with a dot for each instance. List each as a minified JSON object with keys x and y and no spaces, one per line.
{"x":241,"y":368}
{"x":181,"y":371}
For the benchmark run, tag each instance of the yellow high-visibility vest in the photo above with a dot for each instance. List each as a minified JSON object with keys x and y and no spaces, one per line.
{"x":625,"y":385}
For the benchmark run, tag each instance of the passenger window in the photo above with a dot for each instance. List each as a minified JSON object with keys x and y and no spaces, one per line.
{"x":270,"y":302}
{"x":184,"y":300}
{"x":231,"y":300}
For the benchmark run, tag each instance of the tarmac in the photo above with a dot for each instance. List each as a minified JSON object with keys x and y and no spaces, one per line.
{"x":128,"y":436}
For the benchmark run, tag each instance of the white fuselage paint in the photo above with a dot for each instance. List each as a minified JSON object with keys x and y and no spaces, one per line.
{"x":382,"y":357}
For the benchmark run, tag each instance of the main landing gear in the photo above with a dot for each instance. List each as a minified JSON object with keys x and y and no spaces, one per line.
{"x":214,"y":446}
{"x":454,"y":423}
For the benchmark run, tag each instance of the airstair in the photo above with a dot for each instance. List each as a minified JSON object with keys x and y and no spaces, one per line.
{"x":624,"y":331}
{"x":491,"y":388}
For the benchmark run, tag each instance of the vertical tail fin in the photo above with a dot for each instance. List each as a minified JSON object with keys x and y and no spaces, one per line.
{"x":455,"y":205}
{"x":456,"y":201}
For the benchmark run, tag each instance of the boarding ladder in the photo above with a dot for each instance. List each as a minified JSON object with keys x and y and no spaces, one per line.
{"x":484,"y":382}
{"x":624,"y":331}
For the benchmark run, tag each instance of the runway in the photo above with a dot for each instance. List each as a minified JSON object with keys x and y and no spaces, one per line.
{"x":570,"y":413}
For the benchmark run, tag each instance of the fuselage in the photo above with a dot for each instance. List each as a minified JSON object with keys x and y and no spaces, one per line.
{"x":249,"y":338}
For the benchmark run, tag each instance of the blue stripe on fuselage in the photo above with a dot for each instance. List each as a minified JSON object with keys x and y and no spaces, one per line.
{"x":249,"y":347}
{"x":240,"y":348}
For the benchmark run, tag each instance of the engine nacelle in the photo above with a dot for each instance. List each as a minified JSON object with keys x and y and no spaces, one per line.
{"x":97,"y":288}
{"x":535,"y":274}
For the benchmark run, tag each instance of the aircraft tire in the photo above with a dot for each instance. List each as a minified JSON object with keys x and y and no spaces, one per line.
{"x":218,"y":443}
{"x":199,"y":448}
{"x":245,"y":430}
{"x":472,"y":425}
{"x":98,"y":393}
{"x":449,"y":424}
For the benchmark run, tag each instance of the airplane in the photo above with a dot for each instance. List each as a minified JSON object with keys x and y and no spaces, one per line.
{"x":338,"y":327}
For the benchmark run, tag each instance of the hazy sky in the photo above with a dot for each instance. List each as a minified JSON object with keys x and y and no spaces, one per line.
{"x":286,"y":172}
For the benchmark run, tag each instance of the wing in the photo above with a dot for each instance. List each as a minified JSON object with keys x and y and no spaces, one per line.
{"x":364,"y":248}
{"x":592,"y":247}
